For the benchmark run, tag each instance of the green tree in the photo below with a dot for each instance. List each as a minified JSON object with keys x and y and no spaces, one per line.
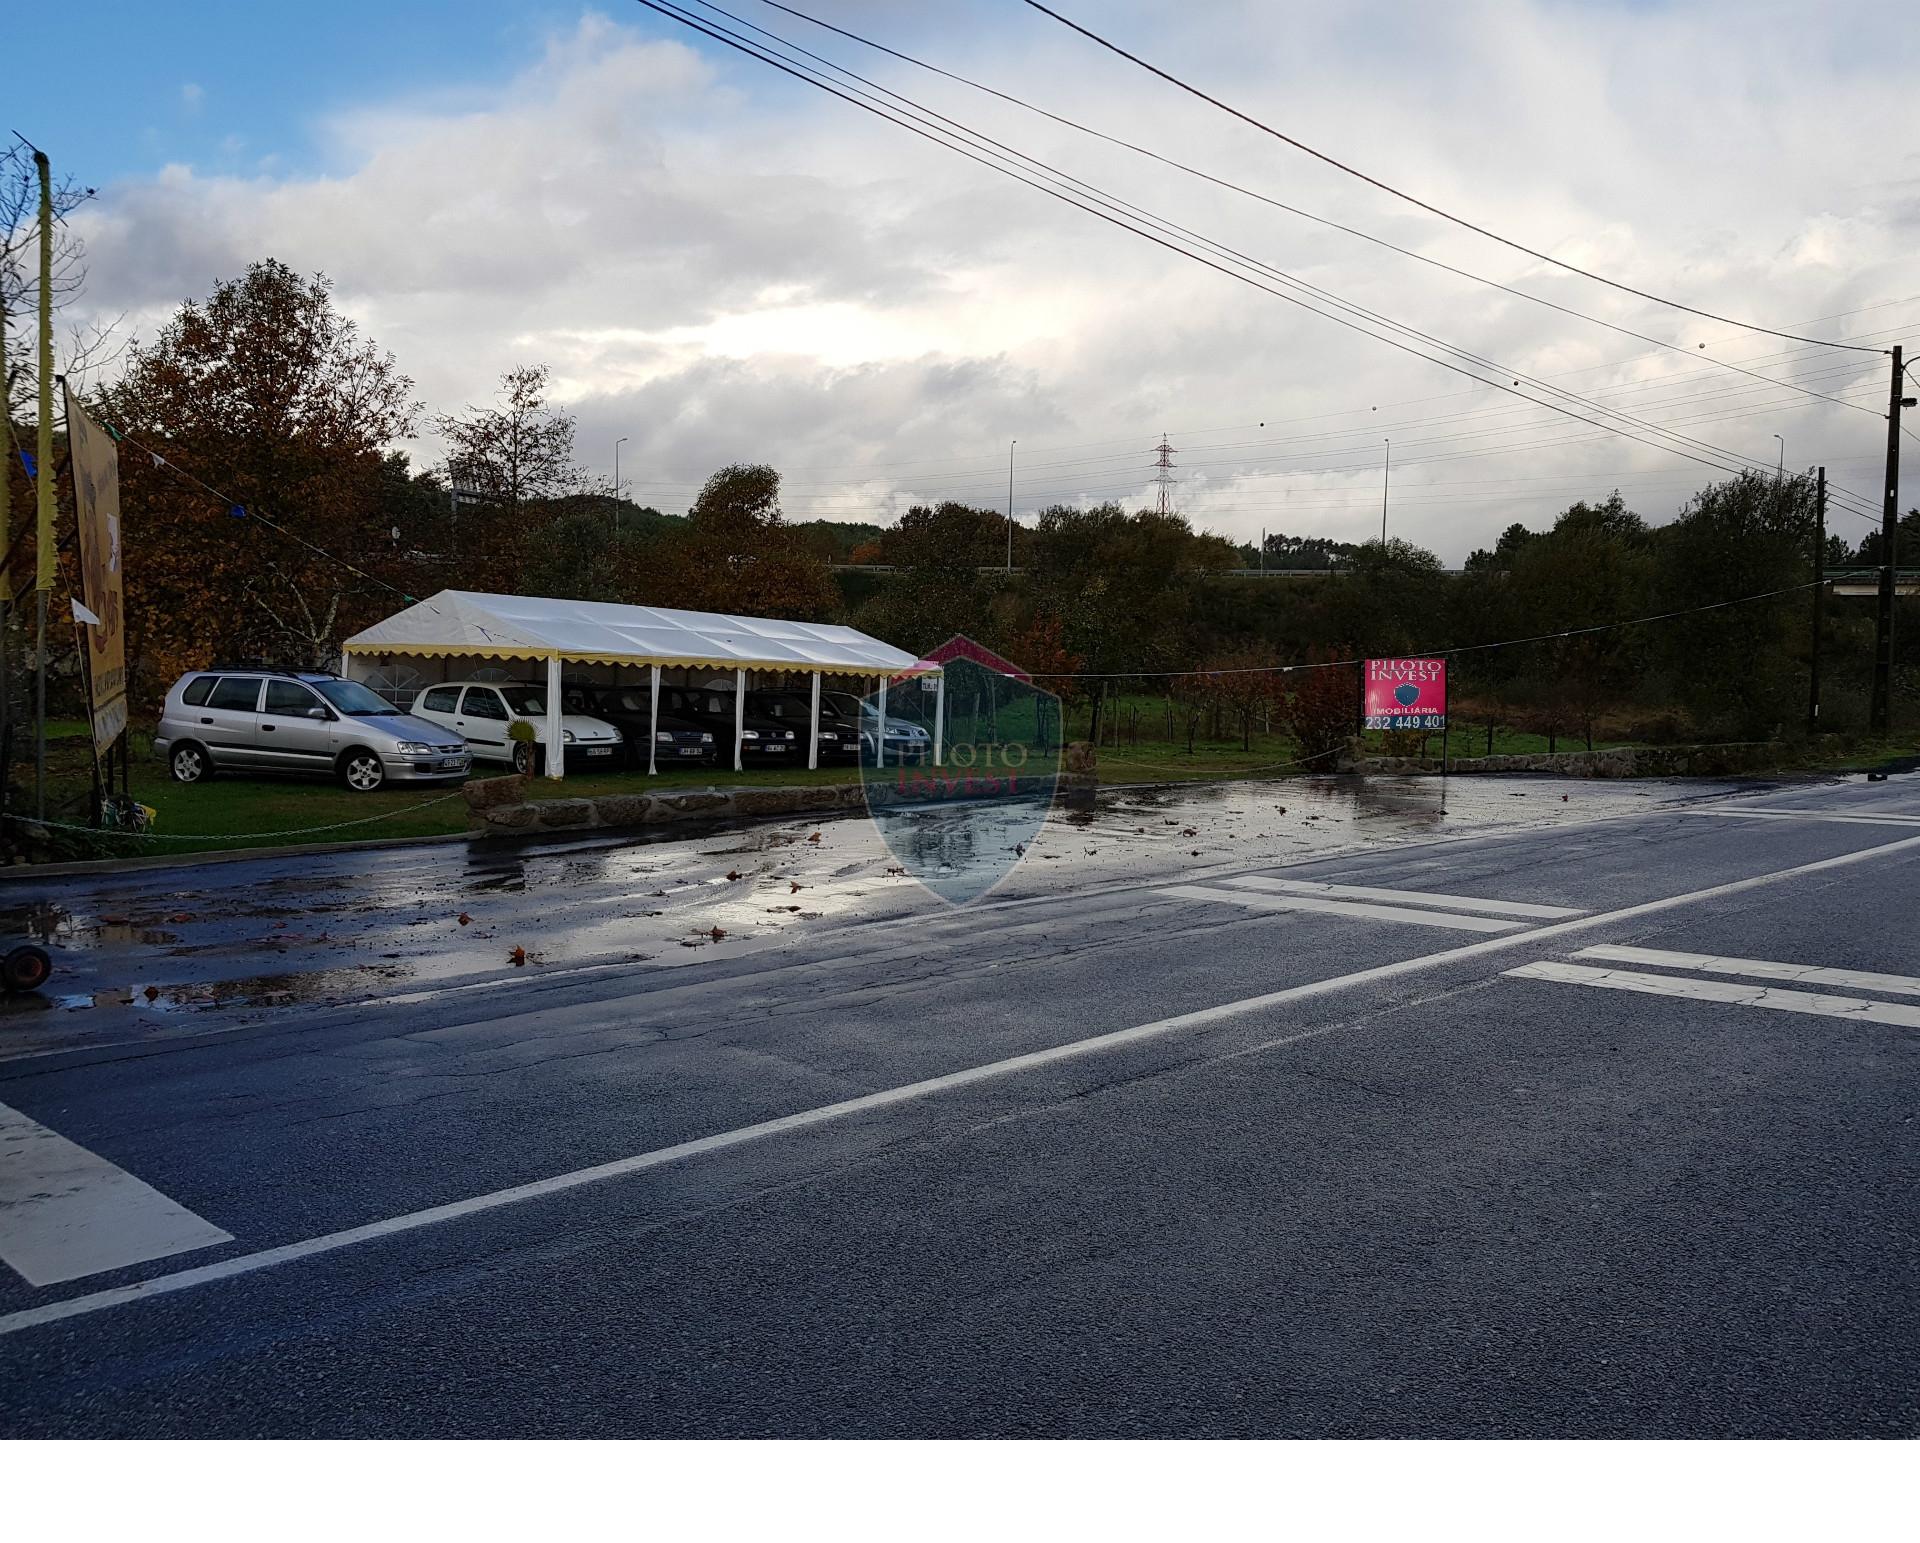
{"x":1740,"y":669}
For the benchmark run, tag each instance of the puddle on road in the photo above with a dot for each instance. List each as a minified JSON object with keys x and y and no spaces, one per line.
{"x":342,"y":928}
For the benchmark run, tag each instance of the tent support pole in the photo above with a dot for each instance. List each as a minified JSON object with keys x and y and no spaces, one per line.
{"x":882,"y":735}
{"x":813,"y":728}
{"x":653,"y":728}
{"x":556,"y":746}
{"x":739,"y":719}
{"x":939,"y":717}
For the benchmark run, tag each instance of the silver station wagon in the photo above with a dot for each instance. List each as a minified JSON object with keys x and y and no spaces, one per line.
{"x":240,"y":719}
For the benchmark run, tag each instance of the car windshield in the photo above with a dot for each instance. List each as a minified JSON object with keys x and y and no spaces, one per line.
{"x":354,"y":699}
{"x":526,"y":701}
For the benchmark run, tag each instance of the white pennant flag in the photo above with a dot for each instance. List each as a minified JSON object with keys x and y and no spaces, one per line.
{"x":81,"y":613}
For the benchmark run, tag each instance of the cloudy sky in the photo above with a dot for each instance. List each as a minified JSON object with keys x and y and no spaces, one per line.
{"x":721,"y":262}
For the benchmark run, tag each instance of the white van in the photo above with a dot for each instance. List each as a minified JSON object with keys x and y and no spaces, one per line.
{"x":483,"y":713}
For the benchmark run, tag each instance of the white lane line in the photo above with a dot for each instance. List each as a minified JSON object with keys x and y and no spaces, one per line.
{"x":1722,"y":991}
{"x":1806,"y":814}
{"x":1408,"y":897}
{"x":66,"y":1212}
{"x":246,"y":1264}
{"x":1354,"y":908}
{"x":1761,"y":969}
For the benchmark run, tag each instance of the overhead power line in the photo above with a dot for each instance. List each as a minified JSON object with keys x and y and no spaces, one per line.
{"x":1435,"y":653}
{"x":1421,"y":203}
{"x":1067,"y":189}
{"x":1246,"y":192}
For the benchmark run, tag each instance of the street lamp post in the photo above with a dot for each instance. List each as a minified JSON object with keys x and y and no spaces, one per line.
{"x":1010,"y":444}
{"x":1780,"y":471}
{"x":1386,"y":477}
{"x":616,"y":481}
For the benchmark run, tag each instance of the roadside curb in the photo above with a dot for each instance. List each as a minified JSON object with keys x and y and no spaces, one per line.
{"x":194,"y":859}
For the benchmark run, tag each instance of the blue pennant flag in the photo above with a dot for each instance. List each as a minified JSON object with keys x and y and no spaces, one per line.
{"x":26,"y":460}
{"x":238,"y":511}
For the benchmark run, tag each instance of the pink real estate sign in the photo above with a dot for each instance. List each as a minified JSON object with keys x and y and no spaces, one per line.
{"x":1406,"y":694}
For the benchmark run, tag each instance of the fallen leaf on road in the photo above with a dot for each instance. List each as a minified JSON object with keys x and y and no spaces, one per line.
{"x":463,"y":918}
{"x":717,"y":933}
{"x":151,"y":992}
{"x":518,"y":956}
{"x":733,"y":873}
{"x":1189,"y":831}
{"x":179,"y":916}
{"x":114,"y":921}
{"x":794,"y":889}
{"x":814,"y":837}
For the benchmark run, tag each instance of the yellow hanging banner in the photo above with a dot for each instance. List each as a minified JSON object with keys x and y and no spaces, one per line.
{"x":96,"y":503}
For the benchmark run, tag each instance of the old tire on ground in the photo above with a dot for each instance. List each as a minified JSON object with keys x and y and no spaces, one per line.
{"x":25,"y":968}
{"x":362,"y":771}
{"x":189,"y":762}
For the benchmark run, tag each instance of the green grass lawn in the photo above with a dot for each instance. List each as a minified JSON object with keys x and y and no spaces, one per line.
{"x":235,"y":812}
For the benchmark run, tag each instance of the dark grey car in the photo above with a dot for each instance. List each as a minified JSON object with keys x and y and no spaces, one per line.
{"x":302,"y":724}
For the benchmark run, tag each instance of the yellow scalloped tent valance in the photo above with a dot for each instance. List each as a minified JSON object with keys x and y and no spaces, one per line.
{"x":496,"y":651}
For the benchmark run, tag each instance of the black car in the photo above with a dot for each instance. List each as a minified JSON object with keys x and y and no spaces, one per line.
{"x":674,"y":738}
{"x":711,"y":707}
{"x":839,"y":734}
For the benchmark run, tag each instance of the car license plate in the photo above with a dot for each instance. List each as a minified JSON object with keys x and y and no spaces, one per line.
{"x":451,"y":762}
{"x":601,"y":750}
{"x":689,"y":752}
{"x":776,"y":749}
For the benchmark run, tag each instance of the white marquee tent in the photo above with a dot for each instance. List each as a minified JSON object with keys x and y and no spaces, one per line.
{"x":458,"y":628}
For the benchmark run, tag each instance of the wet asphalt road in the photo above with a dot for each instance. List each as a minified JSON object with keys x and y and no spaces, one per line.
{"x":1119,"y":1149}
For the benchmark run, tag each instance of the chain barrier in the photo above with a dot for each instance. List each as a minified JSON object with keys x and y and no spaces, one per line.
{"x":262,"y":835}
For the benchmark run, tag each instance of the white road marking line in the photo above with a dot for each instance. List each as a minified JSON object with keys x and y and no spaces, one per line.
{"x":1806,"y":814}
{"x":246,"y":1264}
{"x":1722,"y":991}
{"x":1761,"y":969}
{"x":1250,"y":901}
{"x":66,"y":1212}
{"x":1408,"y":897}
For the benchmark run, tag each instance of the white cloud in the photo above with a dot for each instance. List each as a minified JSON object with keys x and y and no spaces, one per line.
{"x":722,"y":264}
{"x":191,"y":96}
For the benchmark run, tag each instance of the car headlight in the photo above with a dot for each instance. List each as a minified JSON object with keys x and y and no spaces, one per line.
{"x":790,"y":734}
{"x":414,"y":747}
{"x":749,"y":733}
{"x":662,"y":737}
{"x":828,"y":734}
{"x":567,"y":735}
{"x":706,"y":739}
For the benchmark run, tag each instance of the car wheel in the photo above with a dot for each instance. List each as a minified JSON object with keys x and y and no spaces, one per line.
{"x":526,"y":758}
{"x":362,"y":771}
{"x":190,"y":763}
{"x":25,"y":968}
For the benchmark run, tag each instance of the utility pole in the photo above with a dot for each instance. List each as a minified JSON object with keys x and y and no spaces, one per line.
{"x":46,"y":551}
{"x":1880,"y":717}
{"x":1010,"y":444}
{"x":1819,"y":598}
{"x":1386,"y":477}
{"x":6,"y":546}
{"x":616,"y":481}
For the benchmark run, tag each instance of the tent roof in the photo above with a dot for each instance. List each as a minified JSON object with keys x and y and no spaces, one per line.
{"x":458,"y":621}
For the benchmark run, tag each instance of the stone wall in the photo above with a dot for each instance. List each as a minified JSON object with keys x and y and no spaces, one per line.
{"x":499,"y":806}
{"x":1657,"y":761}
